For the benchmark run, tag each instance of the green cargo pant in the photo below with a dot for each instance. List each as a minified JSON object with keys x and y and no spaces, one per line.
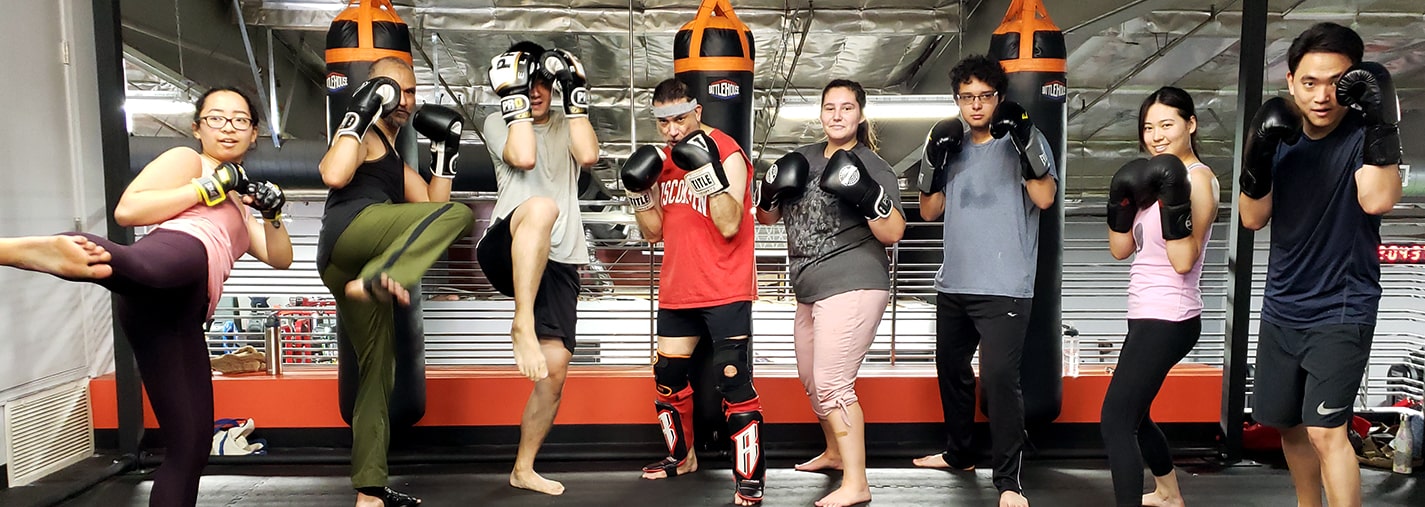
{"x":403,"y":241}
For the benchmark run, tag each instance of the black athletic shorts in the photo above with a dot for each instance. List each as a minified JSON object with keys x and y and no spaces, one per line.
{"x":557,"y":299}
{"x":1309,"y":376}
{"x":716,"y":322}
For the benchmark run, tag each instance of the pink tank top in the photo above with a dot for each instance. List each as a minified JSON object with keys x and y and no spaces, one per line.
{"x":1155,"y":290}
{"x":223,"y":231}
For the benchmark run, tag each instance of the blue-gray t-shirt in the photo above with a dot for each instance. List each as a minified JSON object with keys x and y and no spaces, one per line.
{"x":991,"y":225}
{"x":1325,"y":265}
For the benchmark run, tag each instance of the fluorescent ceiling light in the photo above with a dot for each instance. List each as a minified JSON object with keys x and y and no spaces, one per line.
{"x":335,"y":6}
{"x":881,"y":107}
{"x":157,"y":106}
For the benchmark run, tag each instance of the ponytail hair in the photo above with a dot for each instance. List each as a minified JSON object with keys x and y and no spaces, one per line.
{"x":865,"y":132}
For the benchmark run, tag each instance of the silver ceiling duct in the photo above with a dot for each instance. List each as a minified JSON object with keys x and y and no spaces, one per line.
{"x":890,"y":47}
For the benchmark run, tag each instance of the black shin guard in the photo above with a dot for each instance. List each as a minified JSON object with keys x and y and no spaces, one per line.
{"x":744,"y":417}
{"x":674,"y":406}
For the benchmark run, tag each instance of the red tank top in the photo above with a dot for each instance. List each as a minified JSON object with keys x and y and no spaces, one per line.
{"x":702,"y":269}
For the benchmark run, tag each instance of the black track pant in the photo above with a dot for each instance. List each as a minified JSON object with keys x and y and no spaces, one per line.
{"x":996,"y":326}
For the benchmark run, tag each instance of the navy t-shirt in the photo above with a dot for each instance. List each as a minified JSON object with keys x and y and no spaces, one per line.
{"x":1324,"y":266}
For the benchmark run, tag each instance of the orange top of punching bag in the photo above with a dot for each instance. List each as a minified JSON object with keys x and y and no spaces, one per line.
{"x":724,"y":19}
{"x":1025,"y":18}
{"x":364,"y":14}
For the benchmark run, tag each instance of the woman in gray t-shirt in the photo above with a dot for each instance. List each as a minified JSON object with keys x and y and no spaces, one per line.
{"x":841,"y":206}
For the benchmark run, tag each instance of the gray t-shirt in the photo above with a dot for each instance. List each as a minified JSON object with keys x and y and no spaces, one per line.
{"x":555,"y":175}
{"x":830,"y":248}
{"x":991,"y":225}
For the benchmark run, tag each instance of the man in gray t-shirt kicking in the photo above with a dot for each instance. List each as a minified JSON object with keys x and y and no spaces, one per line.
{"x":997,"y":181}
{"x":535,"y":243}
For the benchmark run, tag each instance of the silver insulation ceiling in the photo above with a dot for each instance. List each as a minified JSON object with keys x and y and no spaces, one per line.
{"x":889,"y":47}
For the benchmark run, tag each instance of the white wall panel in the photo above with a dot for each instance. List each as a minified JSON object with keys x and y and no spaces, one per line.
{"x":51,"y":181}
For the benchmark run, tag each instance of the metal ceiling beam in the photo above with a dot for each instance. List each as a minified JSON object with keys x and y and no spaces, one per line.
{"x":1141,"y":66}
{"x":833,"y":17}
{"x":1114,"y":17}
{"x":211,"y":53}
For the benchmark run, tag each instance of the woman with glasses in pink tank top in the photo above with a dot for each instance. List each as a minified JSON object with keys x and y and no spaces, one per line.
{"x":1160,"y":212}
{"x":167,"y":284}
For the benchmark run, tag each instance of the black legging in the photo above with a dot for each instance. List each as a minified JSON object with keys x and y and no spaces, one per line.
{"x":1151,"y":348}
{"x":160,"y":284}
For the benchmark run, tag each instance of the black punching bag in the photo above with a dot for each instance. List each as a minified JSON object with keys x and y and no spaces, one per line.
{"x":1031,"y":50}
{"x":408,"y":396}
{"x":713,"y":55}
{"x":360,"y":35}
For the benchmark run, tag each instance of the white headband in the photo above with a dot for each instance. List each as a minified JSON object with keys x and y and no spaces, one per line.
{"x":671,"y":110}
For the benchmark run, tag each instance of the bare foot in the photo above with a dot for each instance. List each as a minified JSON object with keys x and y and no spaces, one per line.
{"x":937,"y":460}
{"x":383,"y":290}
{"x":528,"y":357}
{"x":65,"y":256}
{"x":1012,"y":499}
{"x":1160,"y":499}
{"x":845,"y":497}
{"x":97,"y":254}
{"x":534,"y":482}
{"x":743,"y":501}
{"x":368,"y":501}
{"x":821,"y":462}
{"x":689,"y":466}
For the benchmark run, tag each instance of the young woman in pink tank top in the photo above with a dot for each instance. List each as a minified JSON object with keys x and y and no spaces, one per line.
{"x":167,"y":284}
{"x":1160,"y":211}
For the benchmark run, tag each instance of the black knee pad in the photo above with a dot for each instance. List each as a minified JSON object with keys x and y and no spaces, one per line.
{"x":736,"y":388}
{"x":671,"y":374}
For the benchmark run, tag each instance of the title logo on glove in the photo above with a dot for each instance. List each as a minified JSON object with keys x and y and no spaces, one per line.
{"x":848,"y":176}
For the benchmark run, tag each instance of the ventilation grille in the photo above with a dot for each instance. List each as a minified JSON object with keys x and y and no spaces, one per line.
{"x":48,"y":431}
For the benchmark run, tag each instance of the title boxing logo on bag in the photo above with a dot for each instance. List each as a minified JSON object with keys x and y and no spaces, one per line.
{"x":1054,"y":90}
{"x":771,"y":173}
{"x":724,"y":89}
{"x":336,"y":82}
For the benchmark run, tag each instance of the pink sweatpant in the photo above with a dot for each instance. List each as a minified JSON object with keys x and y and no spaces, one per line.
{"x":831,"y":338}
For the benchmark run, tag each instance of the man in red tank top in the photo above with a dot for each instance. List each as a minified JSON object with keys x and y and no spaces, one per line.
{"x":693,"y":196}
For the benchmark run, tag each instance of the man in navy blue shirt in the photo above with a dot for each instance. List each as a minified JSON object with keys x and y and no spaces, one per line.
{"x":1323,"y":167}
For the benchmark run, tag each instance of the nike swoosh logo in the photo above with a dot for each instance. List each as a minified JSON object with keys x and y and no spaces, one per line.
{"x":1322,"y":410}
{"x":1013,"y":315}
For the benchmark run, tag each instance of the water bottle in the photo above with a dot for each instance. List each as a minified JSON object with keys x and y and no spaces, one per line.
{"x":1403,"y":444}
